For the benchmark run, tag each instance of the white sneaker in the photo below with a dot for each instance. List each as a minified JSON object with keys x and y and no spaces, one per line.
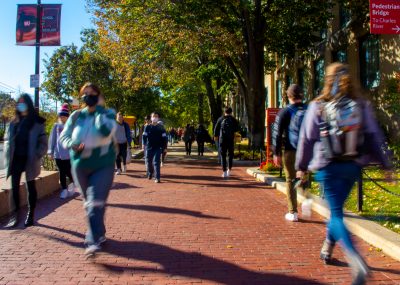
{"x":124,"y":169}
{"x":64,"y":194}
{"x":228,"y":172}
{"x":225,"y":174}
{"x":161,"y":164}
{"x":118,"y":172}
{"x":292,"y":217}
{"x":71,"y":190}
{"x":92,"y":249}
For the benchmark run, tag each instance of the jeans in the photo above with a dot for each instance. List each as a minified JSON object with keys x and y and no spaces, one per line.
{"x":200,"y":148}
{"x":153,"y":157}
{"x":95,"y":186}
{"x":64,"y":167}
{"x":188,"y":147}
{"x":337,"y":180}
{"x":17,"y":168}
{"x":289,"y":159}
{"x":122,"y":153}
{"x":227,"y":147}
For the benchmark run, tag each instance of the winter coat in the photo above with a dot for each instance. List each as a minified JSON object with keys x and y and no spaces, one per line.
{"x":37,"y":148}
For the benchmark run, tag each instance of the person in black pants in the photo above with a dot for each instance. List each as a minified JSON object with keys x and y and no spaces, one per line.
{"x":202,"y":136}
{"x":25,"y":143}
{"x":124,"y":140}
{"x":224,"y":132}
{"x":188,"y":138}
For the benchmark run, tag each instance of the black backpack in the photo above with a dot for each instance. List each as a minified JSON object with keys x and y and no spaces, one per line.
{"x":227,"y":127}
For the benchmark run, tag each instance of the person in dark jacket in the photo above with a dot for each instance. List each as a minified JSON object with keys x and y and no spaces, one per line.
{"x":284,"y":148}
{"x":224,"y":133}
{"x":124,"y":139}
{"x":155,"y":143}
{"x":188,"y":137}
{"x":25,"y":143}
{"x":336,"y":176}
{"x":202,"y":136}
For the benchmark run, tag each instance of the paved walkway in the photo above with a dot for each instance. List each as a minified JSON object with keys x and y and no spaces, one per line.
{"x":193,"y":228}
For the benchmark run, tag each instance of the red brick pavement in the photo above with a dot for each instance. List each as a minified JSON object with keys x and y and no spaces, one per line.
{"x":193,"y":228}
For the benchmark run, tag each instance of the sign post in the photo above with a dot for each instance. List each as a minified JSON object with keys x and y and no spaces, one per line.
{"x":271,"y":114}
{"x":385,"y":16}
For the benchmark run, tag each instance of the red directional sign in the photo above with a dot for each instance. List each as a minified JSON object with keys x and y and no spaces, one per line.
{"x":385,"y":16}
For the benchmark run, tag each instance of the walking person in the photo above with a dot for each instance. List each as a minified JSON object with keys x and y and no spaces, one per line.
{"x":25,"y":143}
{"x":224,"y":133}
{"x":285,"y":138}
{"x":124,"y":139}
{"x":89,"y":134}
{"x":188,"y":138}
{"x":202,"y":136}
{"x":155,"y":143}
{"x":61,"y":154}
{"x":339,"y":136}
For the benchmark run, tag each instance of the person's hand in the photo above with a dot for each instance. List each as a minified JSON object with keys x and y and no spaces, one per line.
{"x":142,"y":147}
{"x":302,"y":175}
{"x":78,"y":148}
{"x":278,"y":160}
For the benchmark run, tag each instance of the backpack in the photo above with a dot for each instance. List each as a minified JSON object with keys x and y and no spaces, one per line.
{"x":227,"y":128}
{"x":296,"y":119}
{"x":341,"y":129}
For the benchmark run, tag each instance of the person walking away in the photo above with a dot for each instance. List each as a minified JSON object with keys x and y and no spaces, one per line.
{"x":155,"y":143}
{"x":188,"y":138}
{"x":173,"y":135}
{"x":89,"y":134}
{"x":202,"y":136}
{"x":124,"y":140}
{"x":339,"y":136}
{"x":224,"y":133}
{"x":164,"y":153}
{"x":61,"y":154}
{"x":25,"y":143}
{"x":285,"y":137}
{"x":180,"y":133}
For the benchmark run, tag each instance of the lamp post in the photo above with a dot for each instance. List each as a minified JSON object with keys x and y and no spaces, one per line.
{"x":37,"y":59}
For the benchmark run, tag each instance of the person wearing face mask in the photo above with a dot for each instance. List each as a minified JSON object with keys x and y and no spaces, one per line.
{"x":124,"y":140}
{"x":25,"y":143}
{"x":155,"y":143}
{"x":61,"y":154}
{"x":89,"y":134}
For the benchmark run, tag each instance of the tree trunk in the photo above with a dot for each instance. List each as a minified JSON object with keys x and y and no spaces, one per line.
{"x":213,"y":102}
{"x":200,"y":98}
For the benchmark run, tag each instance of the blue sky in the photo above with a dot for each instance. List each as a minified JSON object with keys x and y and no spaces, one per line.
{"x":17,"y":63}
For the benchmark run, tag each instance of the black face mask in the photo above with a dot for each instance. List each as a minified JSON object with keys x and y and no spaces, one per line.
{"x":91,"y":101}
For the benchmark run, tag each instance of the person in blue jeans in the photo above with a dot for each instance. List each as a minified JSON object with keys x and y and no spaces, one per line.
{"x":155,"y":143}
{"x":337,"y":176}
{"x":89,"y":135}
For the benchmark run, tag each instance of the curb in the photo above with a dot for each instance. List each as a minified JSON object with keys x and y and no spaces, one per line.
{"x":371,"y":232}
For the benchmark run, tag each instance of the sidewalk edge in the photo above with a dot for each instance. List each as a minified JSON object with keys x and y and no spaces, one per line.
{"x":371,"y":232}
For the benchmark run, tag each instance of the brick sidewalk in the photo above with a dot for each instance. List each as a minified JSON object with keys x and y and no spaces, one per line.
{"x":192,"y":228}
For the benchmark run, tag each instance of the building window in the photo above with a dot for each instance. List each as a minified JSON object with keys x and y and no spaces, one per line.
{"x":369,"y":62}
{"x":344,"y":16}
{"x":301,"y":79}
{"x":319,"y":73}
{"x":339,"y":56}
{"x":279,"y":98}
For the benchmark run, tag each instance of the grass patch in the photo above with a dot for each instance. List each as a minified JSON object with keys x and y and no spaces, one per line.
{"x":378,"y":206}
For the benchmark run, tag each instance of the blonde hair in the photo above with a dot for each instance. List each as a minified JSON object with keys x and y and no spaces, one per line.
{"x":337,"y":72}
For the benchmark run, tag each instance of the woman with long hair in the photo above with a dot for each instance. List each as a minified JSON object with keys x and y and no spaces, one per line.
{"x":337,"y":157}
{"x":25,"y":143}
{"x":89,"y":134}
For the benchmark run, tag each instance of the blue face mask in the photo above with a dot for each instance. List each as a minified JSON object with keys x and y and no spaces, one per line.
{"x":22,"y":107}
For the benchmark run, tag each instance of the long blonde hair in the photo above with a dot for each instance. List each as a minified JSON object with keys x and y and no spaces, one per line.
{"x":337,"y":73}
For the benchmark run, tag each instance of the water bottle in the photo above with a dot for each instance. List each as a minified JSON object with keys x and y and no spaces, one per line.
{"x":306,"y":207}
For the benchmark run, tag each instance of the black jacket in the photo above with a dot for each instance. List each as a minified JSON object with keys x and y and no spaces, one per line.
{"x":218,"y":132}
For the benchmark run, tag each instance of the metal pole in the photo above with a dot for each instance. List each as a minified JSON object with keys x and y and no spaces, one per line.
{"x":360,"y":193}
{"x":37,"y":59}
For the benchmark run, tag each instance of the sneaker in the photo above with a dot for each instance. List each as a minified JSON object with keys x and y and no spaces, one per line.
{"x":161,"y":164}
{"x":359,"y":268}
{"x":71,"y":189}
{"x":91,"y":250}
{"x":292,"y":217}
{"x":102,"y":239}
{"x":64,"y":194}
{"x":225,"y":174}
{"x":124,"y":169}
{"x":12,"y":222}
{"x":157,"y":181}
{"x":118,"y":172}
{"x":326,"y":251}
{"x":228,"y":172}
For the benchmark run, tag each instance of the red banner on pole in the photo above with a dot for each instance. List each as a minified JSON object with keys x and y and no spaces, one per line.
{"x":49,"y":22}
{"x":385,"y":16}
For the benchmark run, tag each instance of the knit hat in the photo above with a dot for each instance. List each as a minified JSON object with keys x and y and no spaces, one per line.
{"x":295,"y":92}
{"x":64,"y":110}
